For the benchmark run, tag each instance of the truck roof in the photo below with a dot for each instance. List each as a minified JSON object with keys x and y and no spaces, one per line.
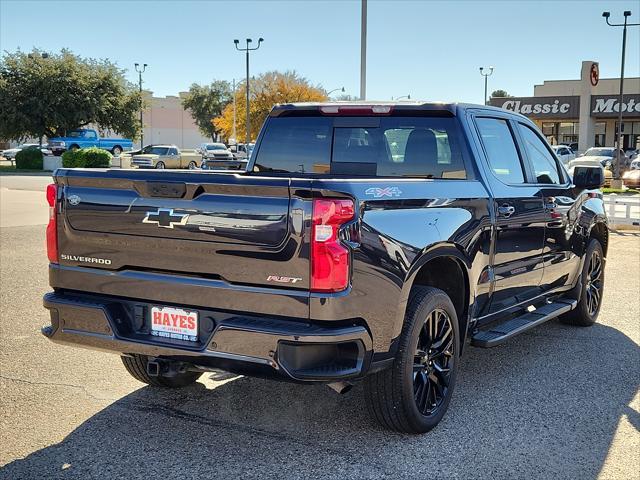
{"x":354,"y":107}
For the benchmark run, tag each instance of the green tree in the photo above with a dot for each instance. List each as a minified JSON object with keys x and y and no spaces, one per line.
{"x":205,"y":102}
{"x":45,"y":94}
{"x":266,"y":90}
{"x":499,"y":93}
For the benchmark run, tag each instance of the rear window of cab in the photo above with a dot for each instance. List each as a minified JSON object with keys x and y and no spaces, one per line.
{"x":426,"y":147}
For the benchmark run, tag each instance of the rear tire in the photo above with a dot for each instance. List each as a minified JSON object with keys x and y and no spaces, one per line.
{"x":591,"y":288}
{"x":192,"y":165}
{"x":136,"y":365}
{"x":413,"y":394}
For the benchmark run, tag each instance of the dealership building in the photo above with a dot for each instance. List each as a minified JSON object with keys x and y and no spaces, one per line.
{"x":583,"y":111}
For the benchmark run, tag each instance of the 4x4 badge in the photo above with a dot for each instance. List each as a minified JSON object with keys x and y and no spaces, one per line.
{"x":378,"y":192}
{"x":164,"y":217}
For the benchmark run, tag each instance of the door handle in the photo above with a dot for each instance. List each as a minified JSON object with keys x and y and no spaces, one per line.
{"x":506,"y":211}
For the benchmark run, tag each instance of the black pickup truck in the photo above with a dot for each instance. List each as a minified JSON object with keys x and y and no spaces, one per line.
{"x":365,"y":242}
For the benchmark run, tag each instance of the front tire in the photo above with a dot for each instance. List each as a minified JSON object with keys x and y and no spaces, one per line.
{"x":117,"y":150}
{"x":591,"y":288}
{"x":160,"y":165}
{"x":413,"y":394}
{"x":136,"y":365}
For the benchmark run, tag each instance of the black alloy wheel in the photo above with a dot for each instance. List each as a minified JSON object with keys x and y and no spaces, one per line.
{"x":590,"y":289}
{"x":593,"y":282}
{"x":433,"y":362}
{"x":413,"y":394}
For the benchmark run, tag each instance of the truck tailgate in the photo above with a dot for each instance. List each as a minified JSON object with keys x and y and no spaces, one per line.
{"x":234,"y":228}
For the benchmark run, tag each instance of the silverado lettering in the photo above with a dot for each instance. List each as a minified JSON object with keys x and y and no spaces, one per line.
{"x":76,"y":258}
{"x":407,"y":231}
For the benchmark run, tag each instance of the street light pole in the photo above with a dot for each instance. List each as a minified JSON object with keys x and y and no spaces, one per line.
{"x":140,"y":72}
{"x":247,"y":49}
{"x":626,"y":14}
{"x":408,"y":97}
{"x":486,"y":76}
{"x":363,"y":50}
{"x":341,"y":89}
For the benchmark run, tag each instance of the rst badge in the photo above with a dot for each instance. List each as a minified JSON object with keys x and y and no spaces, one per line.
{"x":378,"y":192}
{"x":166,"y":218}
{"x":281,"y":279}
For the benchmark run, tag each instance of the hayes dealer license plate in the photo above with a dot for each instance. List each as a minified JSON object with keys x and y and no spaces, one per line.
{"x":176,"y":323}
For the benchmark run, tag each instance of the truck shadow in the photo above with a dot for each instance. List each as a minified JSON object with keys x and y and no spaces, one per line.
{"x":545,"y":405}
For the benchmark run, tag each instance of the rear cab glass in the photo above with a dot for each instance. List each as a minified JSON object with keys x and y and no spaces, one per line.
{"x":389,"y":146}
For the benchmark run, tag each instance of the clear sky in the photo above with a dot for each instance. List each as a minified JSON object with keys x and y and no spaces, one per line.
{"x":429,"y":49}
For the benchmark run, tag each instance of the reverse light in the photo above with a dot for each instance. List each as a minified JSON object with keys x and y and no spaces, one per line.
{"x":52,"y":227}
{"x":329,"y":258}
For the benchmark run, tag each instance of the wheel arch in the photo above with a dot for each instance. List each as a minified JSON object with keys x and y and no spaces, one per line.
{"x":445,"y":267}
{"x":600,"y":231}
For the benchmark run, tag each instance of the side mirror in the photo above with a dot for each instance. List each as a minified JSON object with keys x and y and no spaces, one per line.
{"x":588,"y":178}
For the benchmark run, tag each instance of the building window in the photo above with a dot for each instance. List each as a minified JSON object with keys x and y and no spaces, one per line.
{"x":630,"y":135}
{"x":550,"y":131}
{"x":568,"y":132}
{"x":600,"y":134}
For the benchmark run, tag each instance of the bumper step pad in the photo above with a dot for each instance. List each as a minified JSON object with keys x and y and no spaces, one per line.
{"x":501,"y":332}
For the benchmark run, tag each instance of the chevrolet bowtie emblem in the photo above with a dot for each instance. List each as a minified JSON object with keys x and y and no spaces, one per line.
{"x":164,"y":217}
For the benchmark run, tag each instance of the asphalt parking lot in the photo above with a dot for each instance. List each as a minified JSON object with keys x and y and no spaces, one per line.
{"x":559,"y":402}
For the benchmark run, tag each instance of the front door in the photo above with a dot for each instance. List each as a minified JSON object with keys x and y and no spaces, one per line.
{"x":554,"y":188}
{"x":519,"y":216}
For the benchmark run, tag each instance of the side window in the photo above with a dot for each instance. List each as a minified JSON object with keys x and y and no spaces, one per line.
{"x":173,"y":151}
{"x":501,"y":149}
{"x":90,"y":135}
{"x":543,"y":164}
{"x":427,"y":147}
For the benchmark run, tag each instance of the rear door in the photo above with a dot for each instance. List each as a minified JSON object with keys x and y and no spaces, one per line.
{"x":519,"y":215}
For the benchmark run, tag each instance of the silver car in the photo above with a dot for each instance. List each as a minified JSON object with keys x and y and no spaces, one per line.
{"x":564,"y":153}
{"x":215,"y":151}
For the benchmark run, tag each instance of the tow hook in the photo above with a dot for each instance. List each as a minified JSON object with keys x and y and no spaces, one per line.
{"x":340,"y":387}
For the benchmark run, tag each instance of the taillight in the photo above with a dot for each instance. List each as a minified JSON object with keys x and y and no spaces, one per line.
{"x":52,"y":227}
{"x":329,"y":258}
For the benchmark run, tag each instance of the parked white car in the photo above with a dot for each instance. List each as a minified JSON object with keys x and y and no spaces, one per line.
{"x":564,"y":153}
{"x":11,"y":153}
{"x":215,"y":151}
{"x":240,"y":152}
{"x":605,"y":155}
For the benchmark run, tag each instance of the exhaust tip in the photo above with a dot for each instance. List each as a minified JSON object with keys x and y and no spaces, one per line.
{"x":340,"y":387}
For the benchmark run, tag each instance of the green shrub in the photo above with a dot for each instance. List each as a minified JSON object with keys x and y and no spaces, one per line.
{"x":70,"y":158}
{"x":93,"y":157}
{"x":29,"y":159}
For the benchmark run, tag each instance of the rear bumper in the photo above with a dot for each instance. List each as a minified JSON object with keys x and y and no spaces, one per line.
{"x":261,"y":346}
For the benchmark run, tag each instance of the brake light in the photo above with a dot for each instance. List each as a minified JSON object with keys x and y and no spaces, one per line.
{"x":329,"y":258}
{"x":356,"y":109}
{"x":52,"y":227}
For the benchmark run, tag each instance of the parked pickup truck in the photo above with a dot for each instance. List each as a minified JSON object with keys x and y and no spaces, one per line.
{"x":166,"y":156}
{"x":85,"y":138}
{"x":366,"y":242}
